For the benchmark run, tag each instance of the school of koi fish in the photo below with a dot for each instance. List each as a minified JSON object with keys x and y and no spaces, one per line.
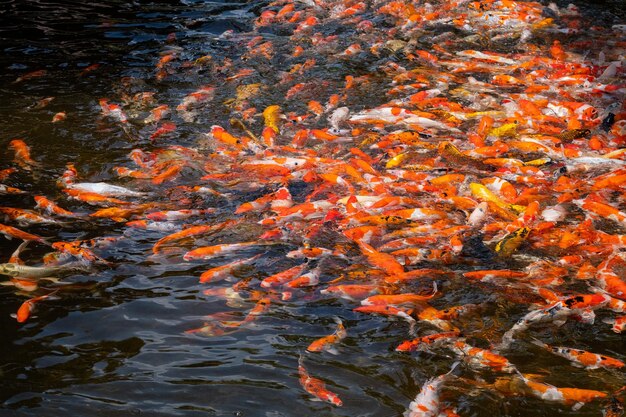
{"x":464,"y":150}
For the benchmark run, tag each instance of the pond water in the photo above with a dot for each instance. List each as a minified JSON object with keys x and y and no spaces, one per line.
{"x":119,"y":339}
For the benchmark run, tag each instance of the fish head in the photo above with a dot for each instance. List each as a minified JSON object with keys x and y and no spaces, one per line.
{"x":8,"y":269}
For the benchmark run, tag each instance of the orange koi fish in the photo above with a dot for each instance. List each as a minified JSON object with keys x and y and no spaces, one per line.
{"x":93,"y":198}
{"x":352,"y":292}
{"x":12,"y":232}
{"x":22,"y":154}
{"x":325,"y":343}
{"x":25,"y":217}
{"x":283,"y":277}
{"x":386,"y":310}
{"x":399,"y":299}
{"x":51,"y":207}
{"x":224,"y":271}
{"x":192,"y":231}
{"x":73,"y":248}
{"x":383,"y":261}
{"x":426,"y":342}
{"x":28,"y":306}
{"x":316,"y":387}
{"x":209,"y":252}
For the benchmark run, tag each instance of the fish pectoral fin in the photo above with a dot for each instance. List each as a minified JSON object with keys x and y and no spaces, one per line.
{"x":577,"y":406}
{"x":332,"y":351}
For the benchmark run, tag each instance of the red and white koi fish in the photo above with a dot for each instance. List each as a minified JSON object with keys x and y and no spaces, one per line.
{"x":112,"y":110}
{"x":608,"y":279}
{"x":618,"y":324}
{"x":482,"y":358}
{"x":177,"y":214}
{"x":308,"y":279}
{"x":580,"y":357}
{"x":571,"y":396}
{"x":316,"y":387}
{"x":198,"y":97}
{"x":556,"y":312}
{"x":426,"y":403}
{"x":427,"y":342}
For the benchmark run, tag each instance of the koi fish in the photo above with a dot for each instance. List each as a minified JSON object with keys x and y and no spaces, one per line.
{"x":387,"y":310}
{"x":51,"y":207}
{"x":511,"y":242}
{"x":30,"y":76}
{"x":556,"y":312}
{"x":12,"y":232}
{"x":582,"y":358}
{"x":483,"y":193}
{"x":353,"y":292}
{"x":113,"y":111}
{"x":570,"y":396}
{"x":105,"y":189}
{"x":427,"y":342}
{"x":17,"y":270}
{"x":177,"y":214}
{"x":196,"y":98}
{"x":223,"y":271}
{"x":316,"y":387}
{"x":326,"y":343}
{"x":209,"y":252}
{"x":399,"y":299}
{"x":26,"y":309}
{"x":190,"y":232}
{"x":618,"y":324}
{"x":426,"y":403}
{"x":73,"y":248}
{"x":22,"y":155}
{"x":283,"y":277}
{"x":25,"y":217}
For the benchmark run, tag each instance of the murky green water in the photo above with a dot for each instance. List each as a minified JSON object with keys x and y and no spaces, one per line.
{"x":113,"y":342}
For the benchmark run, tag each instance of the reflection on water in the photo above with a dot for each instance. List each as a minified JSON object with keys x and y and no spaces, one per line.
{"x":115,"y":342}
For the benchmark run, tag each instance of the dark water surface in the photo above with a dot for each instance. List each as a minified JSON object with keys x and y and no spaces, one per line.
{"x":113,"y":342}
